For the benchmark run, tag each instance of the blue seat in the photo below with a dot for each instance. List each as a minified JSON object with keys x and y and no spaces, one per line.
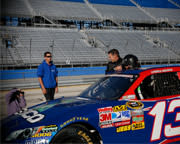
{"x":112,"y":2}
{"x":156,"y":4}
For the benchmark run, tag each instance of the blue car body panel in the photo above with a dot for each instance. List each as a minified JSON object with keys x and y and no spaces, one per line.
{"x":86,"y":111}
{"x":116,"y":121}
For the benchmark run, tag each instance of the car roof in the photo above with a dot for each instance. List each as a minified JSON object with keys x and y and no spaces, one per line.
{"x":142,"y":69}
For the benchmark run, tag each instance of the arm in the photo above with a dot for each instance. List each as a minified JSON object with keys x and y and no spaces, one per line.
{"x":40,"y":75}
{"x":118,"y":68}
{"x":107,"y":69}
{"x":56,"y":89}
{"x":42,"y":85}
{"x":22,"y":101}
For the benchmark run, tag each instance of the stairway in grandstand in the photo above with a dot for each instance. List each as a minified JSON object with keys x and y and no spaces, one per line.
{"x":170,"y":40}
{"x":143,"y":10}
{"x":161,"y":10}
{"x":175,"y":2}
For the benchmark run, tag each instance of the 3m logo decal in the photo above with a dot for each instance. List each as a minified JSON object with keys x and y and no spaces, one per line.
{"x":105,"y":117}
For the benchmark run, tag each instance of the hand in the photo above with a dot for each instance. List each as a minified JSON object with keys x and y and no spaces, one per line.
{"x":56,"y":89}
{"x":21,"y":93}
{"x":44,"y":91}
{"x":118,"y":68}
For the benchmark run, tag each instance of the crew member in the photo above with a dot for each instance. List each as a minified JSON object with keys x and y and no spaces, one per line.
{"x":115,"y":61}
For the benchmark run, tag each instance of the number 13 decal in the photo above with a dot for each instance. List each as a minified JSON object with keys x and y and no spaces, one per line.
{"x":158,"y":112}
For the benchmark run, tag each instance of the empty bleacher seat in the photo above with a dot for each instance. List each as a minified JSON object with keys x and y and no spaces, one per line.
{"x":14,"y":8}
{"x":112,"y":2}
{"x":62,"y":9}
{"x":132,"y":42}
{"x":65,"y":44}
{"x":155,"y":3}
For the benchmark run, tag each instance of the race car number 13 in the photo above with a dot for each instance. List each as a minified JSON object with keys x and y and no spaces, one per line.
{"x":158,"y":112}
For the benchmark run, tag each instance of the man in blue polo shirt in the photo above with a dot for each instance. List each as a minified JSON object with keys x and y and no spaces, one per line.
{"x":48,"y":77}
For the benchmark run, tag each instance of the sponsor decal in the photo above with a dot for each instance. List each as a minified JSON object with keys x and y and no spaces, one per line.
{"x":105,"y":109}
{"x":107,"y":125}
{"x":137,"y":116}
{"x":122,"y":118}
{"x":129,"y":97}
{"x":114,"y":116}
{"x":135,"y":104}
{"x":105,"y":117}
{"x":137,"y":126}
{"x":85,"y":136}
{"x":159,"y":71}
{"x":123,"y":128}
{"x":123,"y":123}
{"x":134,"y":126}
{"x":37,"y":141}
{"x":42,"y":135}
{"x":137,"y":112}
{"x":137,"y":119}
{"x":73,"y":120}
{"x":50,"y":128}
{"x":41,"y":131}
{"x":119,"y":108}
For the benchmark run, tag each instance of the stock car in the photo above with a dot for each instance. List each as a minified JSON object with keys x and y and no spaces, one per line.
{"x":134,"y":106}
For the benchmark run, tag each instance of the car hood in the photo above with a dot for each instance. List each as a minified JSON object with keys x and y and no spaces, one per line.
{"x":53,"y":112}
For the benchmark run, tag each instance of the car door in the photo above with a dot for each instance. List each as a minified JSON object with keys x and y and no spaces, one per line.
{"x":161,"y":92}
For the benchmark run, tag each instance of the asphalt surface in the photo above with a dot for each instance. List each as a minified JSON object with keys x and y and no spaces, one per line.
{"x":35,"y":96}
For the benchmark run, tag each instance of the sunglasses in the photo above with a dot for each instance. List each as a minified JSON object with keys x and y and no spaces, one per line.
{"x":48,"y":56}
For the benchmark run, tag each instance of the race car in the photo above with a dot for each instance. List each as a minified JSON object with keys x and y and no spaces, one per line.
{"x":134,"y":106}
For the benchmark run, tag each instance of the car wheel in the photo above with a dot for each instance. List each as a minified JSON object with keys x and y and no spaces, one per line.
{"x":75,"y":134}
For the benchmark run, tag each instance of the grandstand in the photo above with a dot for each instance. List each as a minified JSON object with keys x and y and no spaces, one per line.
{"x":80,"y":32}
{"x":163,"y":10}
{"x":67,"y":46}
{"x":138,"y":43}
{"x":170,"y":39}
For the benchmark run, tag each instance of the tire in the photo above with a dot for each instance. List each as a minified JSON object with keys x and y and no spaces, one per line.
{"x":75,"y":134}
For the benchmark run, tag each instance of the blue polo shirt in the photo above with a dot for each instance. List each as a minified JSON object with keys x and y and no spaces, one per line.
{"x":48,"y":73}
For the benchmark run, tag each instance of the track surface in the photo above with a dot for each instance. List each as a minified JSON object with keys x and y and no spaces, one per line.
{"x":35,"y":96}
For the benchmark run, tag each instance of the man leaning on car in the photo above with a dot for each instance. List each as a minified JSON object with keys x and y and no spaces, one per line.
{"x":115,"y":61}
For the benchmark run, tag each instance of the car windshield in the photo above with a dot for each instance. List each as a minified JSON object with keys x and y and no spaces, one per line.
{"x":109,"y":87}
